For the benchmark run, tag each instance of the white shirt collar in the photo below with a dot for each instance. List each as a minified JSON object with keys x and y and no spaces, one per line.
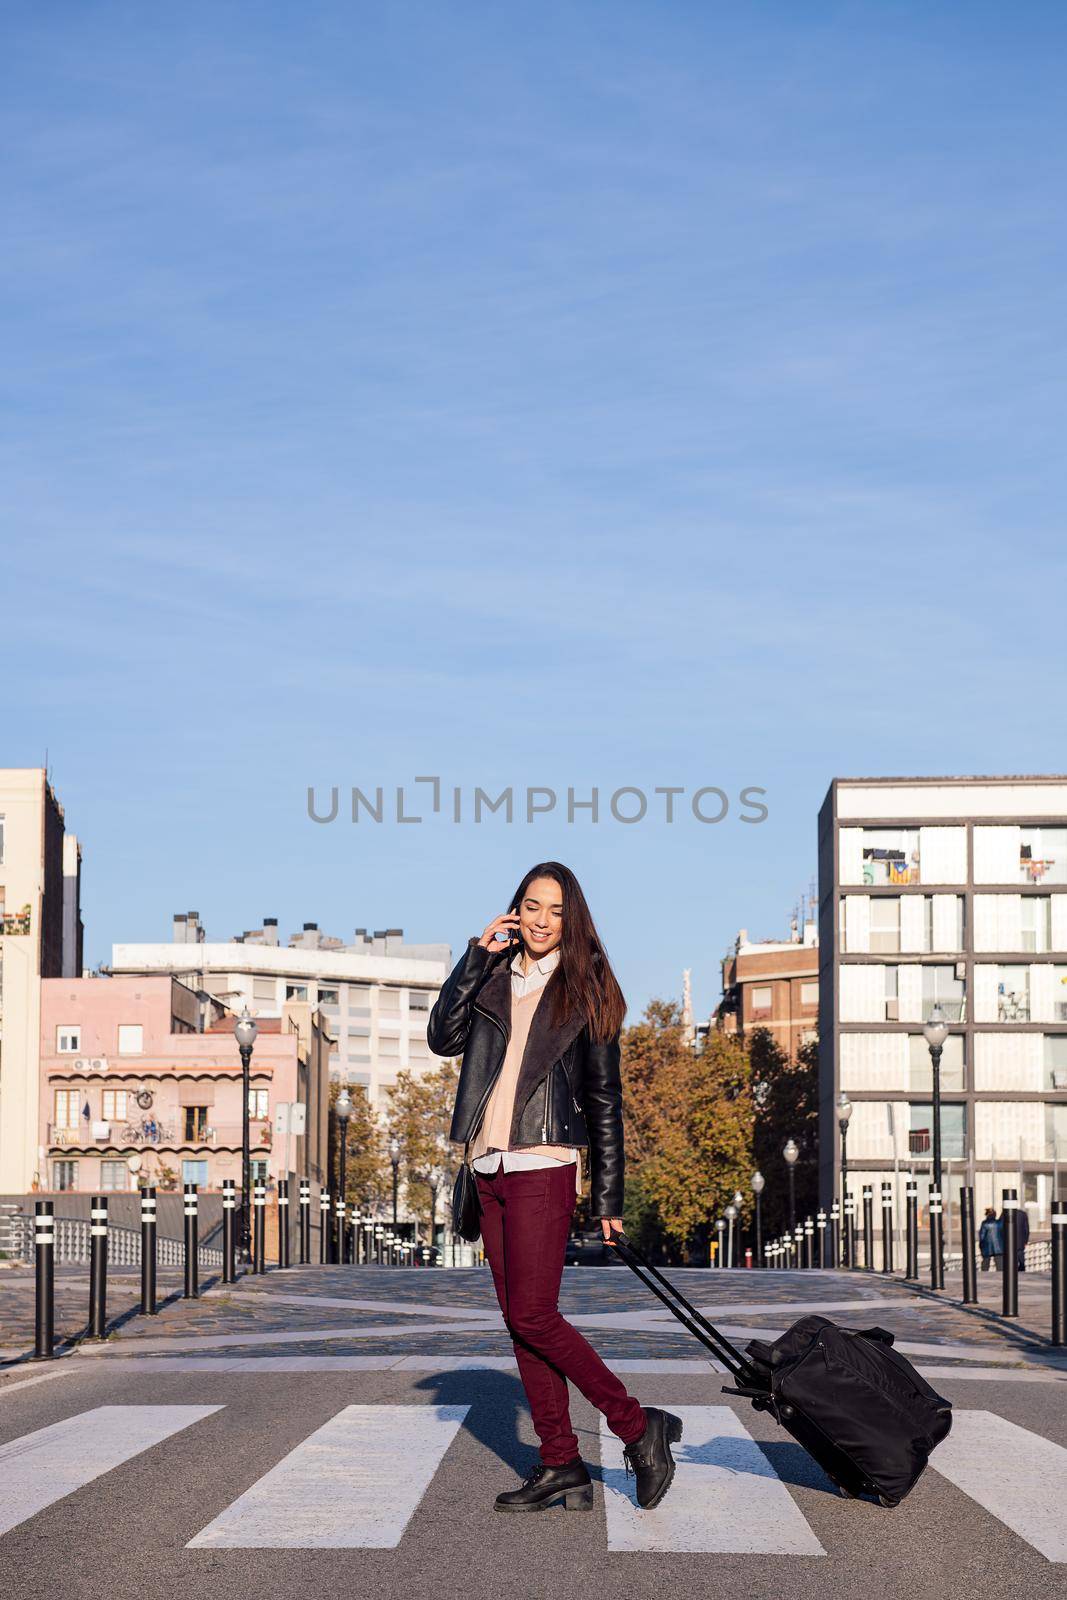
{"x":543,"y":964}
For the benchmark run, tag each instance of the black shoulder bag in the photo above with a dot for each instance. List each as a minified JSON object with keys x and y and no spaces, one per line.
{"x":466,"y":1206}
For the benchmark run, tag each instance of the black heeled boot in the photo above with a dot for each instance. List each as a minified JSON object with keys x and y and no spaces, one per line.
{"x":546,"y":1486}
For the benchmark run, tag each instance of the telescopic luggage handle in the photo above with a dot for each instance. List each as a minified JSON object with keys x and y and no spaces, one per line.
{"x":679,"y":1307}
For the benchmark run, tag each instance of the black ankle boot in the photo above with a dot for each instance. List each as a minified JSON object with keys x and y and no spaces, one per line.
{"x":649,"y":1457}
{"x":546,"y":1486}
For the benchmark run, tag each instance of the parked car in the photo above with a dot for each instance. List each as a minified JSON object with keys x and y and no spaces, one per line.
{"x":587,"y":1250}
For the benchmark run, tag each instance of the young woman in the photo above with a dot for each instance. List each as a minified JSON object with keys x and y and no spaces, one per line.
{"x":535,"y":1010}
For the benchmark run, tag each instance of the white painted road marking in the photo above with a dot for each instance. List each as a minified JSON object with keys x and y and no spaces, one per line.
{"x":354,"y":1483}
{"x":1013,"y":1473}
{"x":726,"y":1496}
{"x":43,"y":1467}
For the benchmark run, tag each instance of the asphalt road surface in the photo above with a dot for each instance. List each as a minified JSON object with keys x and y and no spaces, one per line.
{"x":343,"y":1432}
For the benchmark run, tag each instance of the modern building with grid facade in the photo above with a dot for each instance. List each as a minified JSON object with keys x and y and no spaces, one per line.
{"x":949,"y":891}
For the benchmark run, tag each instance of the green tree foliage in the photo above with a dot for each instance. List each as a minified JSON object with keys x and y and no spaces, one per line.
{"x":420,"y":1113}
{"x":688,"y":1119}
{"x":365,"y":1161}
{"x":786,"y":1098}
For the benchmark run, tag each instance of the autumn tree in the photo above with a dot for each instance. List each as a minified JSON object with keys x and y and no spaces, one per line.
{"x":688,"y":1123}
{"x":786,"y":1098}
{"x":420,"y":1114}
{"x":366,"y":1180}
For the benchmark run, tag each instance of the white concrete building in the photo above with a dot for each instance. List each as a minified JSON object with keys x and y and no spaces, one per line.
{"x":40,"y":937}
{"x":950,"y":891}
{"x":375,"y":994}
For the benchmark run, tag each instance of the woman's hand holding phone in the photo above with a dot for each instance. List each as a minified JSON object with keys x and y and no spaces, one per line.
{"x":507,"y":924}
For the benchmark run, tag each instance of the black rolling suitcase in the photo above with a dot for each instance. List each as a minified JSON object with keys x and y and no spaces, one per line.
{"x":857,"y":1406}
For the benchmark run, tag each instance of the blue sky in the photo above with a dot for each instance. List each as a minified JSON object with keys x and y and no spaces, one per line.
{"x":572,"y":395}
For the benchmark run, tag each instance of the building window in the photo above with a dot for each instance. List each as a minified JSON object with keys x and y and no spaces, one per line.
{"x":329,"y":997}
{"x":114,"y":1177}
{"x":419,"y":999}
{"x":195,"y":1172}
{"x":389,"y":1045}
{"x":257,"y":1103}
{"x":1055,"y":1060}
{"x":885,"y":924}
{"x":67,"y":1109}
{"x":890,"y":856}
{"x":258,"y":1167}
{"x":762,"y":1001}
{"x":264,"y":989}
{"x":809,"y":994}
{"x":296,"y":991}
{"x":1036,"y":918}
{"x":68,"y":1039}
{"x":921,"y":1067}
{"x":1043,"y":855}
{"x":196,"y":1121}
{"x":114,"y":1105}
{"x":1013,"y":993}
{"x":953,"y":1131}
{"x":64,"y":1176}
{"x":131,"y":1039}
{"x":941,"y":987}
{"x":388,"y":999}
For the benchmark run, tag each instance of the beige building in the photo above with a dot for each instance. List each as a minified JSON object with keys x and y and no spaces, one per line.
{"x":374,"y":994}
{"x":40,"y":937}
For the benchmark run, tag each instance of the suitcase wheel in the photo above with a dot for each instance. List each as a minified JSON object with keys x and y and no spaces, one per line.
{"x":886,"y":1500}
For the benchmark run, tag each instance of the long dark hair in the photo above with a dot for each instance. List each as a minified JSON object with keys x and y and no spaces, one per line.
{"x":583,"y":983}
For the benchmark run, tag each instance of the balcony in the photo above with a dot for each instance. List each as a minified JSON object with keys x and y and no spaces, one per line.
{"x":152,"y":1133}
{"x":1013,"y":1005}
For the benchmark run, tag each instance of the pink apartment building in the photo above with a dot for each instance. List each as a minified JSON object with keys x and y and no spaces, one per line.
{"x":132,"y":1067}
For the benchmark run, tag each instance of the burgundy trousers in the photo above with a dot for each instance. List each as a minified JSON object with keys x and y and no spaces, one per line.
{"x":526,"y":1219}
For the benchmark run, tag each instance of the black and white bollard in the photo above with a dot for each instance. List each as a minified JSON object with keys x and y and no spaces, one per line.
{"x":937,"y":1247}
{"x":192,"y":1241}
{"x":44,"y":1261}
{"x":820,"y":1223}
{"x":259,"y":1228}
{"x":283,"y":1222}
{"x":305,"y":1222}
{"x":809,"y":1242}
{"x":911,"y":1197}
{"x":887,"y":1227}
{"x":835,"y":1234}
{"x":229,"y":1231}
{"x":967,"y":1230}
{"x":868,"y":1227}
{"x":98,"y":1267}
{"x":324,"y":1226}
{"x":1010,"y":1260}
{"x":340,"y":1209}
{"x":850,"y":1228}
{"x":148,"y":1251}
{"x":1059,"y":1271}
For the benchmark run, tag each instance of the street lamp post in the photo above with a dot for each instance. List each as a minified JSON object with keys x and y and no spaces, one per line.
{"x":245,"y":1031}
{"x":731,"y":1217}
{"x":936,"y":1032}
{"x":436,"y":1178}
{"x":757,"y":1182}
{"x":394,"y":1157}
{"x":789,"y":1155}
{"x":844,"y":1112}
{"x":343,"y":1108}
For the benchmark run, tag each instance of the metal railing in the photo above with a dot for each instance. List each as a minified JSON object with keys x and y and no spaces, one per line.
{"x":72,"y":1243}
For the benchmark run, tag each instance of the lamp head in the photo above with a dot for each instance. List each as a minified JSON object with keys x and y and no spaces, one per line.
{"x":935,"y":1029}
{"x":790,"y":1152}
{"x":844,"y":1110}
{"x":394,"y":1150}
{"x":343,"y":1106}
{"x":245,"y":1030}
{"x":757,"y":1181}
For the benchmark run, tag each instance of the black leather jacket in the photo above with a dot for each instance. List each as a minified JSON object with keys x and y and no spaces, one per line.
{"x":569,"y":1090}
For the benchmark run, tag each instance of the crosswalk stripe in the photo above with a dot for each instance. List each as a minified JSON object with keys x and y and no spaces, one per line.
{"x":725,"y":1497}
{"x":46,"y":1466}
{"x":1013,"y":1473}
{"x":353,"y":1483}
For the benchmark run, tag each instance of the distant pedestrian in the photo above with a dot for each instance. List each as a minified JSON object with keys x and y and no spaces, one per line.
{"x":990,"y":1240}
{"x":1022,"y":1234}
